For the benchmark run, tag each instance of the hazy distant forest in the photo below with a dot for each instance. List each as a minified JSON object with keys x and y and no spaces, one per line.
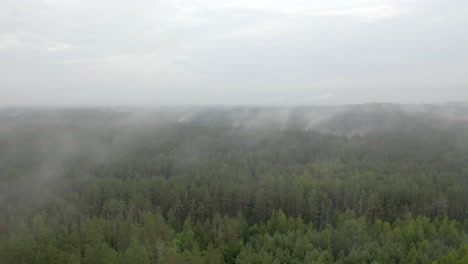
{"x":374,"y":183}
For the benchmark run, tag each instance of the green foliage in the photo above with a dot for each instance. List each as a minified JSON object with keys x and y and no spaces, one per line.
{"x":198,"y":193}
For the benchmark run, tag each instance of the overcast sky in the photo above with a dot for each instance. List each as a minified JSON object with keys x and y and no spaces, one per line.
{"x":95,"y":52}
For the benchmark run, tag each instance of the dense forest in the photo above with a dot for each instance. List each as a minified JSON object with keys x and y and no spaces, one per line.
{"x":376,"y":183}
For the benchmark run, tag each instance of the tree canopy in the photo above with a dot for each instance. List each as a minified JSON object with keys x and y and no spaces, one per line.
{"x":96,"y":186}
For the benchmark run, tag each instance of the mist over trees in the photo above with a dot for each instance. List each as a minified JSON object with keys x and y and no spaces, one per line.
{"x":375,"y":183}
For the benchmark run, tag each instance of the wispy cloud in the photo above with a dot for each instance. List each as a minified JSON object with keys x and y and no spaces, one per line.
{"x":31,"y":42}
{"x":322,"y":97}
{"x":372,"y":12}
{"x":8,"y":41}
{"x":148,"y":66}
{"x":72,"y":61}
{"x":57,"y":46}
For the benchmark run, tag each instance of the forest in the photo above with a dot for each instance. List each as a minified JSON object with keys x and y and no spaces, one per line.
{"x":373,"y":183}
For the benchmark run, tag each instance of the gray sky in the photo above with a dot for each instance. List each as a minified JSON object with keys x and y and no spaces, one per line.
{"x":88,"y":52}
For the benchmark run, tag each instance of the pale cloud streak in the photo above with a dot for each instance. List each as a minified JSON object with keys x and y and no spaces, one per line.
{"x":369,"y":13}
{"x":9,"y":41}
{"x":148,"y":65}
{"x":71,"y":61}
{"x":57,"y":47}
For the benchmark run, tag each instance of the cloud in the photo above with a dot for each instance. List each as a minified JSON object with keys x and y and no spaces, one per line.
{"x":366,"y":12}
{"x":60,"y":2}
{"x":57,"y":47}
{"x":72,"y":61}
{"x":28,"y":42}
{"x":322,"y":97}
{"x":367,"y":9}
{"x":229,"y":51}
{"x":8,"y":41}
{"x":156,"y":67}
